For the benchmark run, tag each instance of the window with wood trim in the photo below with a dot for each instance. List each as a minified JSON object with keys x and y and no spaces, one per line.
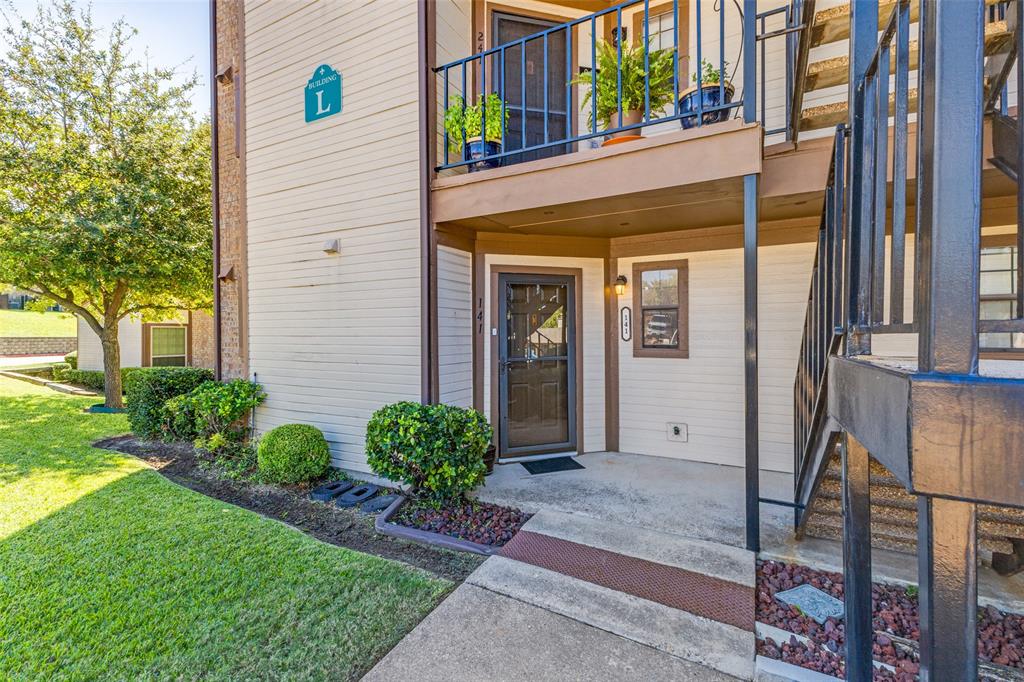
{"x":661,"y":309}
{"x":999,"y":297}
{"x":168,"y":346}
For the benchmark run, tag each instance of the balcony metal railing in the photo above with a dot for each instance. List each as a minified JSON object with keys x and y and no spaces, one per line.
{"x":508,"y":101}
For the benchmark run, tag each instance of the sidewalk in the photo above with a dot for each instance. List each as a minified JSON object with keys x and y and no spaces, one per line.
{"x":480,"y":635}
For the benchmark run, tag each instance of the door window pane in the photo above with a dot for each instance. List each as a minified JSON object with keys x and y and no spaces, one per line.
{"x":660,"y":287}
{"x":168,"y":346}
{"x":536,"y":320}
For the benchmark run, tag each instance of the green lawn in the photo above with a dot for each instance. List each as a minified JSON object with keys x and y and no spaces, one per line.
{"x":109,"y":571}
{"x":29,"y":323}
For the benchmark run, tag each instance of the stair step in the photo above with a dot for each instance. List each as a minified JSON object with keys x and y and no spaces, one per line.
{"x":836,"y":71}
{"x":895,"y":536}
{"x":834,"y":113}
{"x":690,"y":598}
{"x":833,"y":24}
{"x":904,"y":516}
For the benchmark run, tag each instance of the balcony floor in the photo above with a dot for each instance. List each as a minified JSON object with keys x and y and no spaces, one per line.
{"x":698,"y":500}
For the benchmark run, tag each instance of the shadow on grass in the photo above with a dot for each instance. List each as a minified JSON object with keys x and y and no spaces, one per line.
{"x":40,"y":434}
{"x":141,"y":578}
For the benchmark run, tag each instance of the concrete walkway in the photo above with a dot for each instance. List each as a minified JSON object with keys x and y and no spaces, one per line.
{"x":479,"y":635}
{"x":14,"y":361}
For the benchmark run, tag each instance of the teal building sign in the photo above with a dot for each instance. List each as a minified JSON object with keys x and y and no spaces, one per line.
{"x":323,"y":94}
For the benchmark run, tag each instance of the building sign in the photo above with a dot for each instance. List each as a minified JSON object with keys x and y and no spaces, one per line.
{"x":323,"y":94}
{"x":626,"y":324}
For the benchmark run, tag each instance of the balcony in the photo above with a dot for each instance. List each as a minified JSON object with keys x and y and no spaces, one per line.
{"x":603,"y":125}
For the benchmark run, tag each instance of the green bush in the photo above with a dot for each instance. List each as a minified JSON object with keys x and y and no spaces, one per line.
{"x":149,"y":388}
{"x":212,"y":409}
{"x":436,"y":449}
{"x":59,"y":371}
{"x":72,"y":359}
{"x":95,"y":379}
{"x":292,"y":453}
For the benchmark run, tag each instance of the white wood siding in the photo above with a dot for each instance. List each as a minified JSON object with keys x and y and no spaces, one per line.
{"x":333,"y":337}
{"x":90,"y":352}
{"x":705,"y":391}
{"x":591,"y":333}
{"x":455,"y":326}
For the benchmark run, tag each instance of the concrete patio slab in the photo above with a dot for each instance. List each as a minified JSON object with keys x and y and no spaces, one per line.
{"x":705,"y":502}
{"x":478,"y":635}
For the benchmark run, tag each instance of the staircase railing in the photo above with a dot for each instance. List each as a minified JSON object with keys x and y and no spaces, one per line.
{"x":939,"y":303}
{"x":802,"y":12}
{"x":823,"y":321}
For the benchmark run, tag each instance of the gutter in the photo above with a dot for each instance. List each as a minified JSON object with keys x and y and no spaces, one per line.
{"x":215,"y":186}
{"x":428,"y":333}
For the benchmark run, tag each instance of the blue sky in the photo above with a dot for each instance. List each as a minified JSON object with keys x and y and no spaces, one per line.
{"x":176,"y":33}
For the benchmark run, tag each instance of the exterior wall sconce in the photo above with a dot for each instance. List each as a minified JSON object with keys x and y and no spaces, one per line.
{"x":620,"y":285}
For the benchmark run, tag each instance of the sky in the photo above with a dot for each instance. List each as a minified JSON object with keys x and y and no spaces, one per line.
{"x":176,"y":33}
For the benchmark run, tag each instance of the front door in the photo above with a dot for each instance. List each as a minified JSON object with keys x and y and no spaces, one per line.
{"x":536,"y":364}
{"x":524,"y":80}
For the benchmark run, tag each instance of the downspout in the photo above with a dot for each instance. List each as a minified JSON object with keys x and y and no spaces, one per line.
{"x":425,"y":78}
{"x":215,"y":185}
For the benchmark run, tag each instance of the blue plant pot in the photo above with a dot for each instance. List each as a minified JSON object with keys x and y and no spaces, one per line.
{"x":709,"y":96}
{"x":476,"y":150}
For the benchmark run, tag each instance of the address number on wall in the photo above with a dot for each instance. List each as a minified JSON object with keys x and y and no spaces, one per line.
{"x":626,"y":324}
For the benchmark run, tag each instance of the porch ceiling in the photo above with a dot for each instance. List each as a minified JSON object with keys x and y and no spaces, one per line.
{"x":672,"y":181}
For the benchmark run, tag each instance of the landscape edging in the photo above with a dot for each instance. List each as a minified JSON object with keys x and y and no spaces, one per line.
{"x":383,"y":525}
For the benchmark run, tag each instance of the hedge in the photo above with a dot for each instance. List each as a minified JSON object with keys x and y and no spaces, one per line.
{"x":151,"y":387}
{"x":94,"y":379}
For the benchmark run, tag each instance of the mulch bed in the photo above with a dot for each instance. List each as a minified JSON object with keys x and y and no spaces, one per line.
{"x":895,"y":622}
{"x":479,"y":522}
{"x":291,"y":504}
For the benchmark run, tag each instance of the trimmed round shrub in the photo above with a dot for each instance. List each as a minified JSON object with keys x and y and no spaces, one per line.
{"x":436,"y":449}
{"x":72,"y":359}
{"x":292,"y":453}
{"x":149,"y":388}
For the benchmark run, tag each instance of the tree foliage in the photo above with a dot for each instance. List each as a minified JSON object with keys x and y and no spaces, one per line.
{"x":104,"y":177}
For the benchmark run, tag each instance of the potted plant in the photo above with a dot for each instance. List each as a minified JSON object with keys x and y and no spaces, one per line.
{"x":710,"y":94}
{"x":462,"y":119}
{"x":490,"y":454}
{"x":635,"y":88}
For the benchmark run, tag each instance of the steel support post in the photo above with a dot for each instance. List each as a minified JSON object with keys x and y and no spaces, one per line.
{"x":857,"y":558}
{"x":750,"y":218}
{"x":947,"y":565}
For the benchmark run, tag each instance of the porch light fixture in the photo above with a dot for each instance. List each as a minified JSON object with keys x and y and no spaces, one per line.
{"x":620,"y":285}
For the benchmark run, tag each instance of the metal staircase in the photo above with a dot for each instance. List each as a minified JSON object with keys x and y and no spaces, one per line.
{"x":830,"y":26}
{"x":921,"y":454}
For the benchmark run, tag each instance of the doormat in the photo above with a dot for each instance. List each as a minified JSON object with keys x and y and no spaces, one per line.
{"x":549,"y":466}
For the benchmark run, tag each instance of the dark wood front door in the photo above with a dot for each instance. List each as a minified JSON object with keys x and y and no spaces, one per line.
{"x":523,"y":81}
{"x":536,"y":364}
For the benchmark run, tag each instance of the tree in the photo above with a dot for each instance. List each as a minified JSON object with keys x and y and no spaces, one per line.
{"x":104,"y":178}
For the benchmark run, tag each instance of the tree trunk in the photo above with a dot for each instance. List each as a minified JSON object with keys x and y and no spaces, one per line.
{"x":111,"y":367}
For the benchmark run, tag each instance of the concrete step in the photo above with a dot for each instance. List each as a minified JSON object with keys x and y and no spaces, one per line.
{"x":689,"y":598}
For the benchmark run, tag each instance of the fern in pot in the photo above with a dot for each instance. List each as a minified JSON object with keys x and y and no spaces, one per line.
{"x":466,"y":121}
{"x":712,"y":92}
{"x":635,"y":80}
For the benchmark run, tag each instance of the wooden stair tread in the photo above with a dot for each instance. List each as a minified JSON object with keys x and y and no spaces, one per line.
{"x":828,"y":73}
{"x":902,"y":516}
{"x":891,"y":535}
{"x":833,"y":24}
{"x":829,"y":115}
{"x":836,"y":71}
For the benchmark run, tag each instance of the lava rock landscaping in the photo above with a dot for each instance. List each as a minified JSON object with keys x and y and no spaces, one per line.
{"x":479,"y":522}
{"x":895,"y":622}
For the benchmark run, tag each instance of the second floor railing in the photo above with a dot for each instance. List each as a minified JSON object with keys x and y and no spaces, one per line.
{"x":610,"y":75}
